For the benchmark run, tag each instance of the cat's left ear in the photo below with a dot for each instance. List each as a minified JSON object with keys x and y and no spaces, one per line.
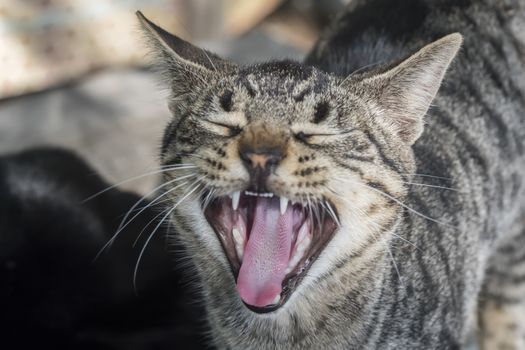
{"x":186,"y":66}
{"x":403,"y":94}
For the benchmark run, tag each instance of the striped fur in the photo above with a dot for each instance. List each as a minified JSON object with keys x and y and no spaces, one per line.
{"x":410,"y":263}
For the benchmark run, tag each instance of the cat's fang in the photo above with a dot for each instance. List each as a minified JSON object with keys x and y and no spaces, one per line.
{"x":284,"y":204}
{"x":235,"y":199}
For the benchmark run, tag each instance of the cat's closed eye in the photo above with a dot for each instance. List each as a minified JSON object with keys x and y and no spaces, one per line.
{"x":223,"y":129}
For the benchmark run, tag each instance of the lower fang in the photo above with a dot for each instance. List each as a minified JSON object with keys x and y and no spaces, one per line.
{"x":277,"y":299}
{"x":283,"y":204}
{"x":239,"y":243}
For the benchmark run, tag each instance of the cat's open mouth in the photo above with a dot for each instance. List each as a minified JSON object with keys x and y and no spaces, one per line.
{"x":270,"y":243}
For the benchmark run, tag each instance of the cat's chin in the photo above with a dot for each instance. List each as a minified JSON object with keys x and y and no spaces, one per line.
{"x":270,"y":242}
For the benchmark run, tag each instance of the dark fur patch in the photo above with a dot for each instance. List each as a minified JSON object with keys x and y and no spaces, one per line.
{"x":322,"y":109}
{"x":226,"y":100}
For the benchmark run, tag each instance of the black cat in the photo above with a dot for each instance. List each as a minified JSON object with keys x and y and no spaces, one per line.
{"x":53,"y":295}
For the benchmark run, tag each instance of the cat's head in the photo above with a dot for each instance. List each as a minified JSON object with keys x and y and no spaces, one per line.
{"x":283,"y":171}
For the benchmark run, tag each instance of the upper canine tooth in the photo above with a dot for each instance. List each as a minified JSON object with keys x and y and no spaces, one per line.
{"x":284,"y":205}
{"x":235,"y":199}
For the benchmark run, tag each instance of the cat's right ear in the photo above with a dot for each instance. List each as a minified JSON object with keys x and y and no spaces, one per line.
{"x":185,"y":65}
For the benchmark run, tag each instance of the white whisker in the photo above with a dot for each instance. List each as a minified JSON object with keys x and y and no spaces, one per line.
{"x":158,"y":171}
{"x":122,"y":227}
{"x":155,"y":230}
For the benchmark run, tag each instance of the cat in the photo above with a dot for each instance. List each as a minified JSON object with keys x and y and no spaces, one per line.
{"x":54,"y":295}
{"x":345,"y":203}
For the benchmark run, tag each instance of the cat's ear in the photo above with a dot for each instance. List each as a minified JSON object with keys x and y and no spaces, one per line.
{"x":185,"y":64}
{"x":404,"y":93}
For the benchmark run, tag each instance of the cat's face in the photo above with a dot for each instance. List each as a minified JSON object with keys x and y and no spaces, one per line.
{"x":285,"y":171}
{"x":285,"y":162}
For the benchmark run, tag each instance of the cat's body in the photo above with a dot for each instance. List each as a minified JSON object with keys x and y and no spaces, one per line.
{"x":409,"y":263}
{"x":474,"y":136}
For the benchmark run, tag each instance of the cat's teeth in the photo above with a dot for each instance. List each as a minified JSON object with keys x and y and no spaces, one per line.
{"x":238,"y":239}
{"x":259,"y":194}
{"x":284,"y":205}
{"x":304,"y":230}
{"x":235,"y":199}
{"x":302,"y":244}
{"x":299,"y":253}
{"x":277,"y":299}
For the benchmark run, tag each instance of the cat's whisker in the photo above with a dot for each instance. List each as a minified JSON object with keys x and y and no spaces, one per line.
{"x":208,"y":199}
{"x":394,"y":262}
{"x":158,"y":171}
{"x":383,"y":228}
{"x":158,"y":197}
{"x":147,"y":225}
{"x":407,"y":207}
{"x":432,"y":186}
{"x":122,"y":226}
{"x":119,"y":228}
{"x":157,"y":227}
{"x":187,"y":154}
{"x":149,"y":194}
{"x":150,"y":204}
{"x":315,"y":210}
{"x":427,"y":175}
{"x":331,"y":212}
{"x":412,"y":210}
{"x":377,"y":236}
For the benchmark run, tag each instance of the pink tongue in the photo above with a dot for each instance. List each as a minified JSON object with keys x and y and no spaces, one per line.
{"x":266,"y":254}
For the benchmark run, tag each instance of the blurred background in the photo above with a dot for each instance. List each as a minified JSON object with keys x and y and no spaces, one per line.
{"x":74,"y":72}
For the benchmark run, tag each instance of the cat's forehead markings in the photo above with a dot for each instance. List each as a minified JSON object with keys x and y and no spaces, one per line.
{"x":249,"y":87}
{"x":233,"y":117}
{"x":299,"y":97}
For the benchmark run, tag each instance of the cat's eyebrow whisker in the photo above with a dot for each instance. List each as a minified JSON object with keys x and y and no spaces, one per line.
{"x":157,"y":227}
{"x":155,"y":172}
{"x":360,"y":69}
{"x":193,"y":73}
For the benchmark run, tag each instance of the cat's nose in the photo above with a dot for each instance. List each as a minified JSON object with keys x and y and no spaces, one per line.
{"x":260,"y":163}
{"x":261,"y":159}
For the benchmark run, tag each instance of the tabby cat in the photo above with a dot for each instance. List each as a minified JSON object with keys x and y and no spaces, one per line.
{"x":343,"y":203}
